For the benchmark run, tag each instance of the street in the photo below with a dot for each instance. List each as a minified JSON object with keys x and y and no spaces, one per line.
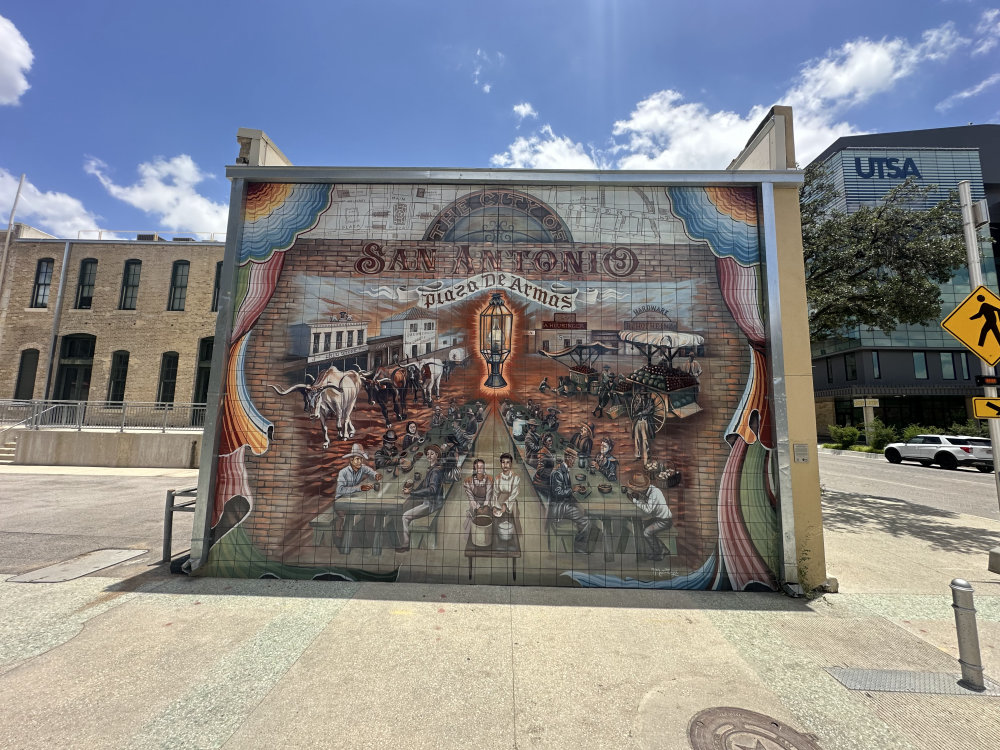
{"x":964,"y":490}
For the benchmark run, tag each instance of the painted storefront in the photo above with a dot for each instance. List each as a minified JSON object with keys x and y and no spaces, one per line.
{"x":576,"y":390}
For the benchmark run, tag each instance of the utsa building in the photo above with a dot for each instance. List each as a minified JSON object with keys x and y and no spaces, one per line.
{"x":916,"y":374}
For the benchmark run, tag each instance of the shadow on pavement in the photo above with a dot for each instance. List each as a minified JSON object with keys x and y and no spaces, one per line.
{"x":860,"y":514}
{"x":155,"y":582}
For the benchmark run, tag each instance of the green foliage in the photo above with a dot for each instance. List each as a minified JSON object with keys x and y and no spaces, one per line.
{"x":844,"y":437}
{"x":971,"y":427}
{"x":880,"y":266}
{"x":911,"y":431}
{"x":879,"y":435}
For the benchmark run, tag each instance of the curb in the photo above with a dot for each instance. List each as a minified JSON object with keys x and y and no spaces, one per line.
{"x":836,"y":452}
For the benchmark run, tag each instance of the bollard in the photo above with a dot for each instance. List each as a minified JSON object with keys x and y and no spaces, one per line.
{"x":968,"y":636}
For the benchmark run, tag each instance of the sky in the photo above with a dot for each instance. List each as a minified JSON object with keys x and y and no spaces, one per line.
{"x":123,"y":115}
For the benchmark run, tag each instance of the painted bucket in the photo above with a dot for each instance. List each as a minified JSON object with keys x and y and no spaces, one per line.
{"x":482,"y":531}
{"x":505,"y":531}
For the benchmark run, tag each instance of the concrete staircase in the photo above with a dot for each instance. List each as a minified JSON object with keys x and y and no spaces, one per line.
{"x":8,"y":448}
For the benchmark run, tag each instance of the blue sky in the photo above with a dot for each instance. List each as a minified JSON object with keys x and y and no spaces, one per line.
{"x":123,"y":115}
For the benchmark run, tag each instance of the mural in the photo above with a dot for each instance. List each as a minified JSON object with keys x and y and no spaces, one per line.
{"x":492,"y":384}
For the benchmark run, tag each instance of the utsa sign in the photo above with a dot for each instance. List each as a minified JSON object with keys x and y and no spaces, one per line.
{"x":886,"y":167}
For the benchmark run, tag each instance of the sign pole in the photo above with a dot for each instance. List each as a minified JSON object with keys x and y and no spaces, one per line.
{"x":976,"y":280}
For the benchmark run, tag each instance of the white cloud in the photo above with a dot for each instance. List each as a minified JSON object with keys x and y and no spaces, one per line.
{"x":976,"y":90}
{"x":987,"y":32}
{"x":166,"y":190}
{"x":545,"y":150}
{"x":524,"y":109}
{"x":483,"y":63}
{"x":666,"y":132}
{"x":15,"y":60}
{"x":57,"y":213}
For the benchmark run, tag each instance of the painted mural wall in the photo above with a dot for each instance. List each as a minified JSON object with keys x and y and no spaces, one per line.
{"x":498,"y":384}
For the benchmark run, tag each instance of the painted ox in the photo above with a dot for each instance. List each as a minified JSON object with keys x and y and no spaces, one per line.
{"x":333,"y":395}
{"x":431,"y":371}
{"x":381,"y":391}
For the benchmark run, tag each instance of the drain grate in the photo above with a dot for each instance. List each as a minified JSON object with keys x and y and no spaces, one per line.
{"x":739,"y":729}
{"x":898,"y":681}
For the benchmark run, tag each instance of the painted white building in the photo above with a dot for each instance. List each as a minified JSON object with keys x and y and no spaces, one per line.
{"x":341,"y":338}
{"x":418,"y":329}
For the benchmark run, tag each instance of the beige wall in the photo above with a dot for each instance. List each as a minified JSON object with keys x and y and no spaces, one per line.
{"x":146,"y":333}
{"x":772,"y":146}
{"x":117,"y":449}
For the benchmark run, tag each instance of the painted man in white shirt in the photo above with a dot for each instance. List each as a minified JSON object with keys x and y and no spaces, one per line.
{"x":656,"y":514}
{"x":506,"y":486}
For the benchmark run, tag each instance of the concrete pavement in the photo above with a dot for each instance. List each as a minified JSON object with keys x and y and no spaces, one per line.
{"x":132,"y":657}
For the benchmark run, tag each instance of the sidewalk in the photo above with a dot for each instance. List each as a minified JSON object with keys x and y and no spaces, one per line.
{"x":158,"y":661}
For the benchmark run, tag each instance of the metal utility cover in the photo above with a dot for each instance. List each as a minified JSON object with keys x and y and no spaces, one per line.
{"x":975,"y":323}
{"x":76,"y":567}
{"x":898,"y":681}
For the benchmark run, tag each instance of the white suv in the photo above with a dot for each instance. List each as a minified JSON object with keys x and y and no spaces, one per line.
{"x":947,"y":451}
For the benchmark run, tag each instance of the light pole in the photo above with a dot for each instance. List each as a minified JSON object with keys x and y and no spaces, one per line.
{"x":969,"y":228}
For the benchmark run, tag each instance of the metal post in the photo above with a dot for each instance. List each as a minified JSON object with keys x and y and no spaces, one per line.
{"x":168,"y":527}
{"x":79,"y":416}
{"x":976,"y":280}
{"x":968,"y":636}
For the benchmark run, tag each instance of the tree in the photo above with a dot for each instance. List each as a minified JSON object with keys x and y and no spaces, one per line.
{"x":880,"y":266}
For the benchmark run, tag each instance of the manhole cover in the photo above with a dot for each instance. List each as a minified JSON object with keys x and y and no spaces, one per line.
{"x":740,"y":729}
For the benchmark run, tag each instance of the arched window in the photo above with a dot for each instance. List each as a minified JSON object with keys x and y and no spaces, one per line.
{"x":168,"y":378}
{"x":119,"y":374}
{"x":26,"y":370}
{"x":178,"y":285}
{"x":85,"y":284}
{"x":43,"y":282}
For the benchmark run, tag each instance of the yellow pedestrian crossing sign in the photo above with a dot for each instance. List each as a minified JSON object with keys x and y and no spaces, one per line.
{"x":976,"y":323}
{"x":986,"y":408}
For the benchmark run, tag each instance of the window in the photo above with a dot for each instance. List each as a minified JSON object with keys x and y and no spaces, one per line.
{"x":204,"y":371}
{"x":350,"y":339}
{"x":428,"y":326}
{"x":829,"y":369}
{"x":851,"y":366}
{"x":85,"y":286}
{"x":361,"y":336}
{"x":947,"y":366}
{"x":315,"y":343}
{"x":413,"y":327}
{"x":25,"y":385}
{"x":340,"y":339}
{"x":920,"y":365}
{"x":178,"y":285}
{"x":130,"y":285}
{"x":964,"y":361}
{"x":217,"y":286}
{"x":43,"y":281}
{"x":326,"y":341}
{"x":876,"y":369}
{"x":168,"y":378}
{"x":119,"y":374}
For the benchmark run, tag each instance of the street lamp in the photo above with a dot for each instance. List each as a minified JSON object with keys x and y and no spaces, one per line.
{"x":495,"y":326}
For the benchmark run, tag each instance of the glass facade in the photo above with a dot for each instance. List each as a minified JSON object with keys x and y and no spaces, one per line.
{"x":862,"y":176}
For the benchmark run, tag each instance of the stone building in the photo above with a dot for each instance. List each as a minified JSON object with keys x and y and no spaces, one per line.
{"x":107,"y":320}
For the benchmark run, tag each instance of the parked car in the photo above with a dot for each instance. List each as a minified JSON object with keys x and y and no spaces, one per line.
{"x":947,"y":451}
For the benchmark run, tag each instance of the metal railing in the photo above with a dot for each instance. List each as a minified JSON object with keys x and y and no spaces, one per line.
{"x":100,"y":415}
